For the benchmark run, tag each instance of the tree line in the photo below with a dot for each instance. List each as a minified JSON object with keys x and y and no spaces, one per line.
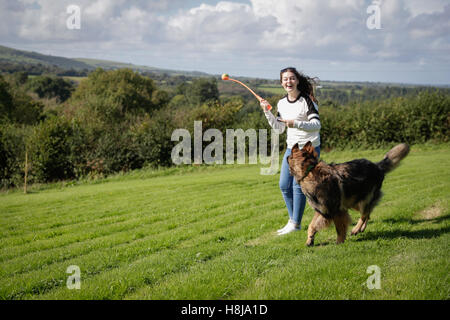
{"x":121,"y":120}
{"x":40,"y":69}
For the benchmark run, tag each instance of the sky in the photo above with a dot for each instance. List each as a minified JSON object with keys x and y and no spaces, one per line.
{"x":397,"y":41}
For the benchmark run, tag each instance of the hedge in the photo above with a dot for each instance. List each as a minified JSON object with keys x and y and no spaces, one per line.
{"x":61,"y":148}
{"x":412,"y":120}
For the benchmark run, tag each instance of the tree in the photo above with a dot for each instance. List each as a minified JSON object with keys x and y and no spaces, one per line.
{"x":202,"y":90}
{"x":116,"y":93}
{"x":6,"y":101}
{"x":16,"y":106}
{"x":51,"y":87}
{"x":50,"y":150}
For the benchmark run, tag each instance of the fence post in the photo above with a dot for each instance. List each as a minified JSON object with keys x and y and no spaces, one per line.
{"x":26,"y":172}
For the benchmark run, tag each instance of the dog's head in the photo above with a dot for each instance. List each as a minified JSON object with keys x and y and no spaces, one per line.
{"x":301,"y":159}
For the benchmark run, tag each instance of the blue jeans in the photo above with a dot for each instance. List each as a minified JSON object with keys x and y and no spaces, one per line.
{"x":292,"y":193}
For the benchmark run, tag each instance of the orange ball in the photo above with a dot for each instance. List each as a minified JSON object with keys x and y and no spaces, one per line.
{"x":225,"y":76}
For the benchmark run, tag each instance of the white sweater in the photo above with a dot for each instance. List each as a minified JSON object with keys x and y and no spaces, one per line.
{"x":306,"y":121}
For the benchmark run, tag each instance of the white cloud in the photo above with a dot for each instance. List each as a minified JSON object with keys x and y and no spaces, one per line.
{"x":256,"y":31}
{"x":417,"y":7}
{"x":226,"y":26}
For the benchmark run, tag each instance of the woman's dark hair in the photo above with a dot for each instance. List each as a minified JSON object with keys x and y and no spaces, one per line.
{"x":305,"y":83}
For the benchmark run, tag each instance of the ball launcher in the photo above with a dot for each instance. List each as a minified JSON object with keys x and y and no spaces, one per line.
{"x":226,"y":77}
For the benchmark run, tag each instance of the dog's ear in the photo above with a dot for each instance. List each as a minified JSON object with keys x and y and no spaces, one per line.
{"x":310,"y":149}
{"x":295,"y":147}
{"x":307,"y":147}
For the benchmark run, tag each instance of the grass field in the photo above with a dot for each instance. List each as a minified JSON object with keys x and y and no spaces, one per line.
{"x":272,"y":89}
{"x":209,"y":233}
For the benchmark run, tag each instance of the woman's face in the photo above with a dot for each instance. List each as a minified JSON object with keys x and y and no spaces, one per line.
{"x":289,"y":81}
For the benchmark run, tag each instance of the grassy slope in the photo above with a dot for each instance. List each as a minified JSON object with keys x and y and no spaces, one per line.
{"x":12,"y":55}
{"x":107,"y":64}
{"x":21,"y":56}
{"x":208,"y":233}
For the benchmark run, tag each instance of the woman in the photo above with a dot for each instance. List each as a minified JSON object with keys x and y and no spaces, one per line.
{"x":299,"y":112}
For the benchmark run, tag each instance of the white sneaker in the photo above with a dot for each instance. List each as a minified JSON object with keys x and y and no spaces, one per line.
{"x":290,"y":228}
{"x":282,"y":229}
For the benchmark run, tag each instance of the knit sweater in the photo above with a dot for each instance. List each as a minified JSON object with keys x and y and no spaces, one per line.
{"x":306,"y":121}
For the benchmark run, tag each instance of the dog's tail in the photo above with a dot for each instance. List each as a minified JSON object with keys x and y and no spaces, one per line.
{"x":393,"y":157}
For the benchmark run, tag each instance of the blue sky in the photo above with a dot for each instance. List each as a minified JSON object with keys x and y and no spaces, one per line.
{"x":330,"y":39}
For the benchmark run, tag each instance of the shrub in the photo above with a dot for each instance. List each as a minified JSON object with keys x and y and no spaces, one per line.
{"x":117,"y":93}
{"x":6,"y":100}
{"x":214,"y":115}
{"x":50,"y":150}
{"x":12,"y":154}
{"x":16,"y":106}
{"x":412,"y":120}
{"x":51,"y":87}
{"x":117,"y":151}
{"x":152,"y":138}
{"x":201,"y":91}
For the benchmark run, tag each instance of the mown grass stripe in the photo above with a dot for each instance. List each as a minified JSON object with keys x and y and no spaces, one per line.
{"x":169,"y":204}
{"x":103,"y":241}
{"x":27,"y":279}
{"x":88,"y":205}
{"x":72,"y":251}
{"x":166,"y":217}
{"x":153,"y":269}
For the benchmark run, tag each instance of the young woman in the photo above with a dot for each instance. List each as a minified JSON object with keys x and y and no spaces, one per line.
{"x":300,"y":114}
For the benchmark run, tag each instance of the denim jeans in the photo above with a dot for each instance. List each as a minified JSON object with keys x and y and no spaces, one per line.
{"x":292,"y":193}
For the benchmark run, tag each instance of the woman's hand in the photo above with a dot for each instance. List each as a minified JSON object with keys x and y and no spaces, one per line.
{"x":264,"y":105}
{"x":289,"y":123}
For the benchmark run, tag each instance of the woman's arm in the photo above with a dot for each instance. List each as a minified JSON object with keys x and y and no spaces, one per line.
{"x":310,"y":125}
{"x":313,"y":123}
{"x":273,"y":121}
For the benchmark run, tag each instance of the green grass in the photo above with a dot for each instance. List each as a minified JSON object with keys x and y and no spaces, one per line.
{"x":208,"y":233}
{"x":77,"y":80}
{"x":272,"y":89}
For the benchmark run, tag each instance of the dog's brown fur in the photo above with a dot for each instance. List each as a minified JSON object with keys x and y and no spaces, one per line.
{"x":332,"y":189}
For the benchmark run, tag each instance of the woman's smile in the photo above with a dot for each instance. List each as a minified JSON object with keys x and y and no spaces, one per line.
{"x":289,"y":81}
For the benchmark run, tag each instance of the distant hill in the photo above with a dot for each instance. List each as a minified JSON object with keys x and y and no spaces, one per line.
{"x":20,"y":56}
{"x":107,"y":64}
{"x":17,"y":57}
{"x":12,"y":60}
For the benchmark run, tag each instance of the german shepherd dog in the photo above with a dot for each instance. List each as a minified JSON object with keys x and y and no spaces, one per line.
{"x":332,"y":189}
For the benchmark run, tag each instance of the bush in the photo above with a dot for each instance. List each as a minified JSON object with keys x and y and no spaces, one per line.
{"x":412,"y":120}
{"x":214,"y":115}
{"x":16,"y":106}
{"x":201,"y":91}
{"x":117,"y":93}
{"x":51,"y":87}
{"x":117,"y":151}
{"x":50,"y":150}
{"x":6,"y":100}
{"x":152,"y":138}
{"x":12,"y":154}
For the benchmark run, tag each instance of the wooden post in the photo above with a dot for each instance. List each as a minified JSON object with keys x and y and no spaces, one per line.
{"x":26,"y":172}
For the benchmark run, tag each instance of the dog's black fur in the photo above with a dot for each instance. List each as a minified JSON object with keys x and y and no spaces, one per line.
{"x":332,"y":189}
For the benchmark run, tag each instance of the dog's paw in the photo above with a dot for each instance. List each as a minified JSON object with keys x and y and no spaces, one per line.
{"x":310,"y":242}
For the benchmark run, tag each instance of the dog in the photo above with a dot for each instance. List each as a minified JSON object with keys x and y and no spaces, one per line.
{"x":332,"y":189}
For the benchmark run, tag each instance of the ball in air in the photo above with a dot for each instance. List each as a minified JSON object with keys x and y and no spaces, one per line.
{"x":225,"y":76}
